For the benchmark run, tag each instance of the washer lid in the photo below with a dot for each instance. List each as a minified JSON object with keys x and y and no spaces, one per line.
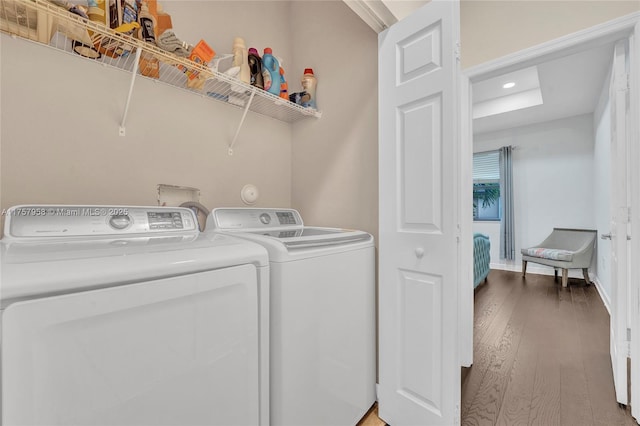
{"x":35,"y":262}
{"x":35,"y":269}
{"x":309,"y":237}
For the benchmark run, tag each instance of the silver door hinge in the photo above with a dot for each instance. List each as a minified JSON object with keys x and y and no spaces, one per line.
{"x":456,"y":51}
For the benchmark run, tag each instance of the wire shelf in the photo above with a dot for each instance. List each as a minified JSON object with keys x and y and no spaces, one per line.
{"x":44,"y":22}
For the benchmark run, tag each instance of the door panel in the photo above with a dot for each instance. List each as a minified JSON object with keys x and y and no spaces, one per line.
{"x":419,"y":194}
{"x":416,"y":356}
{"x":634,"y":279}
{"x":421,"y":185}
{"x":619,"y":222}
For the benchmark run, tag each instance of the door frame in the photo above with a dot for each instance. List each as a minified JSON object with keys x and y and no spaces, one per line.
{"x":623,"y":27}
{"x":634,"y":274}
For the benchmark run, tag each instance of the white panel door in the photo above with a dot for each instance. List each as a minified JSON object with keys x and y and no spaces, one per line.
{"x":619,"y":223}
{"x":419,"y":194}
{"x":176,"y":351}
{"x":634,"y":190}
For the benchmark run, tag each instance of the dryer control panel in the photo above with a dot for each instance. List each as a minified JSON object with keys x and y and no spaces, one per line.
{"x":45,"y":221}
{"x":253,"y":219}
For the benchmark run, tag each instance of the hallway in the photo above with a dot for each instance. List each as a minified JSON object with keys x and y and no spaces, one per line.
{"x":541,"y":355}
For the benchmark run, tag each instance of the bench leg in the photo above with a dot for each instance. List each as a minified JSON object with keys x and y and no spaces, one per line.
{"x":524,"y":268}
{"x":585,"y":273}
{"x":555,"y":274}
{"x":565,"y":277}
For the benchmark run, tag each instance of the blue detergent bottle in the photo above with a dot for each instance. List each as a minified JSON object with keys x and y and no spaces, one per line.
{"x":271,"y":72}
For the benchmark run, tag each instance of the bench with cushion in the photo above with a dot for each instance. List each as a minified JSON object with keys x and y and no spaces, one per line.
{"x":564,"y":249}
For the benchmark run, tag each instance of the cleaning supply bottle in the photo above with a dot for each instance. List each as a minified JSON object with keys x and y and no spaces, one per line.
{"x":255,"y":68}
{"x":147,"y":24}
{"x":149,"y":64}
{"x":309,"y":84}
{"x":284,"y":86}
{"x":270,"y":72}
{"x":240,"y":59}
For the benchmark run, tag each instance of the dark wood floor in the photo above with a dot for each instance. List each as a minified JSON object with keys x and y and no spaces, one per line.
{"x":541,"y":355}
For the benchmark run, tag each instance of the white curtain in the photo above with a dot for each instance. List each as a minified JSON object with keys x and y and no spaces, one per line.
{"x":507,"y":242}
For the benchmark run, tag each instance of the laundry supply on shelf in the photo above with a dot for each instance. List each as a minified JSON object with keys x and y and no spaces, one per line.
{"x":271,"y":72}
{"x":169,"y":42}
{"x":299,"y":98}
{"x":201,"y":54}
{"x":309,"y":84}
{"x":284,"y":86}
{"x":129,"y":11}
{"x":164,"y":21}
{"x":98,"y":11}
{"x":147,"y":24}
{"x":77,"y":9}
{"x":240,"y":59}
{"x":255,"y":68}
{"x":149,"y":65}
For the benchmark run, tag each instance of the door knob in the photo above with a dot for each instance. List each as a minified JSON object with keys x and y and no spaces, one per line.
{"x":419,"y":252}
{"x":605,"y":236}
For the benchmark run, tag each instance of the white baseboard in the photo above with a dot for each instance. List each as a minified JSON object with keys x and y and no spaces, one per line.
{"x":601,"y":293}
{"x":548,"y":270}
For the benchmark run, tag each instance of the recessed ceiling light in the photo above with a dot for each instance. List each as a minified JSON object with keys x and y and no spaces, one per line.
{"x":508,"y":85}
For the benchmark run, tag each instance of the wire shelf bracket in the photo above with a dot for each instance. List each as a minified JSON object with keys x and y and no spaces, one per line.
{"x":244,"y":116}
{"x":133,"y":82}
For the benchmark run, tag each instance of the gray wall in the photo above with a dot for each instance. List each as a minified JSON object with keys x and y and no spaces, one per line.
{"x":60,"y":118}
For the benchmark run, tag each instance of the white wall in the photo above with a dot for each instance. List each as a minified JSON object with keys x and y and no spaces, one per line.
{"x":60,"y":117}
{"x":335,"y":159}
{"x":491,"y":29}
{"x":602,"y":188}
{"x":553,"y":181}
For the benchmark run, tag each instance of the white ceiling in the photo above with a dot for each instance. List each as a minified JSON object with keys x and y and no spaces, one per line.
{"x":524,"y":93}
{"x":570,"y":86}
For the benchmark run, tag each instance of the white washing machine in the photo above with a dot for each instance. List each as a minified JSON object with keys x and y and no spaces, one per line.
{"x":130,"y":316}
{"x":323,"y":362}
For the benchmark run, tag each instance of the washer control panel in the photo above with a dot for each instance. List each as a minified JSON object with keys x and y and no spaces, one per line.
{"x":253,"y":218}
{"x":41,"y":221}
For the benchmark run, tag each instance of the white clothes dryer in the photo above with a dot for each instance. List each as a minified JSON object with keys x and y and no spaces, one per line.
{"x":130,"y":316}
{"x":322,"y":292}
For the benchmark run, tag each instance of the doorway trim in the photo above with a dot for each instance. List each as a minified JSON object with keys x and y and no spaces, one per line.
{"x":566,"y":45}
{"x":595,"y":36}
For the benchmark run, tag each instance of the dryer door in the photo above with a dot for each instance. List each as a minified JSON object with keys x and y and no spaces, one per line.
{"x":175,"y":351}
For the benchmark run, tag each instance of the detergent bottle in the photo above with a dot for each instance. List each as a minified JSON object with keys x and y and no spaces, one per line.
{"x":271,"y":72}
{"x":309,"y":83}
{"x":284,"y":86}
{"x":147,"y":23}
{"x":149,"y":64}
{"x":255,"y":67}
{"x":240,"y":59}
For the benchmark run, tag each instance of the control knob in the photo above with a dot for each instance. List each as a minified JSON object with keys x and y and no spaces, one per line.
{"x":120,"y":221}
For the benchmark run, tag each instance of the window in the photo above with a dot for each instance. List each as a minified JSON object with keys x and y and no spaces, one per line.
{"x":487,"y":203}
